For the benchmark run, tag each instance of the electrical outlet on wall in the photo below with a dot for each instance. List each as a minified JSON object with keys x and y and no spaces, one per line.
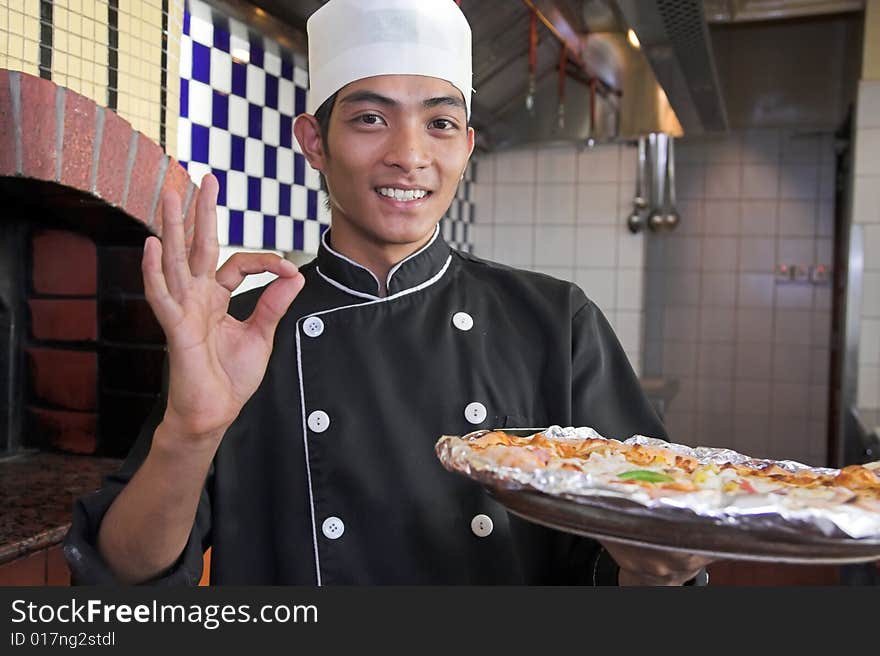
{"x":820,"y":274}
{"x":800,"y":273}
{"x":784,"y":273}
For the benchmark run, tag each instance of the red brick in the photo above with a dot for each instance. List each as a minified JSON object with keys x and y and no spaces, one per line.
{"x":27,"y":570}
{"x":38,"y":128}
{"x":115,"y":144}
{"x":57,"y":571}
{"x":177,"y":180}
{"x":68,"y":379}
{"x":142,"y":187}
{"x":79,"y":141}
{"x":73,"y":432}
{"x":7,"y":127}
{"x":64,"y":263}
{"x":64,"y":320}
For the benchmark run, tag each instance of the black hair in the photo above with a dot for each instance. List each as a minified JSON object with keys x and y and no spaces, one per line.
{"x":322,"y":114}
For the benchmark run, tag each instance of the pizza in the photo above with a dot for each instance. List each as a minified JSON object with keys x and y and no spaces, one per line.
{"x":578,"y":463}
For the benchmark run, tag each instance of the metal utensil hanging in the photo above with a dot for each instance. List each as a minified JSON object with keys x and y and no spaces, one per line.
{"x":563,"y":60}
{"x":657,"y":144}
{"x":533,"y":62}
{"x":671,"y":219}
{"x":636,"y":220}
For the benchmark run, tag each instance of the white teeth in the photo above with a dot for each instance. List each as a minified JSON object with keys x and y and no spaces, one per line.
{"x":402,"y":194}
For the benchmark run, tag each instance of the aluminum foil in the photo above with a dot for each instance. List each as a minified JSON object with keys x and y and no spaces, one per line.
{"x":765,"y":512}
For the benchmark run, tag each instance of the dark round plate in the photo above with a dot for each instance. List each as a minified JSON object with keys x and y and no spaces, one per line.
{"x":679,"y":532}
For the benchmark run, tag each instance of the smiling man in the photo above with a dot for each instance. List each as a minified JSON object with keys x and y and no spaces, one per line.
{"x":296,"y":434}
{"x":396,"y":148}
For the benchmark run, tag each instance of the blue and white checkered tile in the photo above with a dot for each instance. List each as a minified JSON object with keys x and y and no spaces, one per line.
{"x":455,"y":225}
{"x":239,"y":95}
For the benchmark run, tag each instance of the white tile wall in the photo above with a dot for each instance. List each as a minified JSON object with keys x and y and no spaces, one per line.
{"x":760,"y":181}
{"x":557,"y":203}
{"x":721,"y":217}
{"x":751,"y":355}
{"x":562,"y":211}
{"x":868,"y":151}
{"x":596,"y":203}
{"x":866,"y":211}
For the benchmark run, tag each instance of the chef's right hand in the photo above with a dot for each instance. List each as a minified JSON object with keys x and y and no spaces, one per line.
{"x":215,"y":361}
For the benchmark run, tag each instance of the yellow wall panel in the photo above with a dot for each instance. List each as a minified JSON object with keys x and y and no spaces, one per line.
{"x":20,"y":35}
{"x":172,"y":101}
{"x":80,"y":42}
{"x":15,"y":47}
{"x":15,"y":21}
{"x":871,"y":55}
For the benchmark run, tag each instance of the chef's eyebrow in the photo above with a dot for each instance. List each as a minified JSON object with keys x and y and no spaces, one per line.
{"x":444,"y":100}
{"x":379,"y":99}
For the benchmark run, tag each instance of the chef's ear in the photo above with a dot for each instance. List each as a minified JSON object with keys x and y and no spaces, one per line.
{"x":471,"y":136}
{"x":308,"y":133}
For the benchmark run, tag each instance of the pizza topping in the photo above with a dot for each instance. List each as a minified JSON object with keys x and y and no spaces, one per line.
{"x":857,"y":477}
{"x":745,"y":486}
{"x":645,"y":476}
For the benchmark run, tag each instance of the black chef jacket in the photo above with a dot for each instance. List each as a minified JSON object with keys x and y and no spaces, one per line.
{"x":329,"y":475}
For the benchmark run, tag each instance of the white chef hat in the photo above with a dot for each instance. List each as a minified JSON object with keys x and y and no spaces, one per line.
{"x":350,"y":40}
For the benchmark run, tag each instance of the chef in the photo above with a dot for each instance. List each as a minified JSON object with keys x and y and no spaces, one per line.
{"x":296,"y":431}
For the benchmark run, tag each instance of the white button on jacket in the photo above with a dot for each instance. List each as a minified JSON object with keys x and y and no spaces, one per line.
{"x":475,"y":413}
{"x":333,"y":528}
{"x":462,"y":321}
{"x":313,"y":326}
{"x":482,"y":526}
{"x":319,"y":421}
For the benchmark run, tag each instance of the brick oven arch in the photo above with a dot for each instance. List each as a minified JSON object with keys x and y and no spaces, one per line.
{"x":80,"y":192}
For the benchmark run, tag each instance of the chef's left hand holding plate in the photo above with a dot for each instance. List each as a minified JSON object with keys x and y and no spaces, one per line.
{"x":644,"y":566}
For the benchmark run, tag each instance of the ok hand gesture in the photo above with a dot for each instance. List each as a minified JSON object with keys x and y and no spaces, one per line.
{"x":216,"y":362}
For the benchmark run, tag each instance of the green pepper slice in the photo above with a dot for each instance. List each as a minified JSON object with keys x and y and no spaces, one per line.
{"x":645,"y":475}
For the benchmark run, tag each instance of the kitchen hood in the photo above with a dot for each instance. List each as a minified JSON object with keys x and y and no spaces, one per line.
{"x":665,"y":84}
{"x":675,"y":39}
{"x":610,"y":91}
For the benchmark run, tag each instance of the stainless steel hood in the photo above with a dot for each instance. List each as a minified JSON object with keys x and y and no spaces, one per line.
{"x":675,"y":39}
{"x":626,"y":102}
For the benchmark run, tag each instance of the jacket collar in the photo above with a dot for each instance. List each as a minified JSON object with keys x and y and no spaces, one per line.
{"x":415,"y":270}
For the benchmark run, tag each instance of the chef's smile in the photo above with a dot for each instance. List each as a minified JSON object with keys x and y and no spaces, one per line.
{"x":403,"y":197}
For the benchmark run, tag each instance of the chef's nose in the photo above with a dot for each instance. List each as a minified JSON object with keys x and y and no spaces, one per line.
{"x":408,"y":148}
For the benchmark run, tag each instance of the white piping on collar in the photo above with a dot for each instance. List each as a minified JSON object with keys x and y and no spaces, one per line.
{"x":350,"y":261}
{"x":302,"y":393}
{"x":339,"y":285}
{"x":378,"y":299}
{"x":305,"y":433}
{"x":404,"y":260}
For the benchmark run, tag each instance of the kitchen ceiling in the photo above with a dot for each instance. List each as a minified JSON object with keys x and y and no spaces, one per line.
{"x":677,"y":42}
